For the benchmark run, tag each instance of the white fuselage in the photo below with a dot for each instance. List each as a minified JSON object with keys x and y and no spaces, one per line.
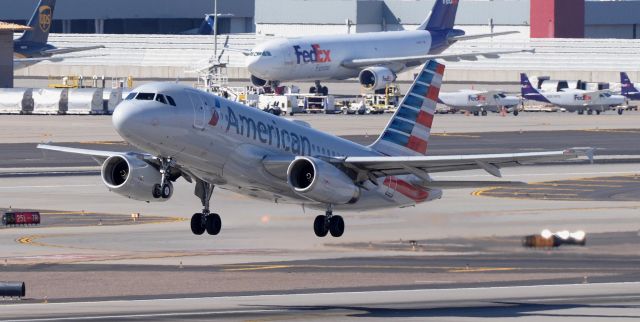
{"x":473,"y":101}
{"x":225,"y":143}
{"x":579,"y":100}
{"x":321,"y":57}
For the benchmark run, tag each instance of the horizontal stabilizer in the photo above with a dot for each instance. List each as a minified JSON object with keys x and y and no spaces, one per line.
{"x":479,"y":36}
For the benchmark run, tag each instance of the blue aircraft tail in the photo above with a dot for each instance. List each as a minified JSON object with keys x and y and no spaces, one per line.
{"x":40,"y":23}
{"x":627,"y":85}
{"x":206,"y":28}
{"x":528,"y":91}
{"x":442,"y":16}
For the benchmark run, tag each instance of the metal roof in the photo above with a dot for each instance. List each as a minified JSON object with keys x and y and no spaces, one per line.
{"x":7,"y":26}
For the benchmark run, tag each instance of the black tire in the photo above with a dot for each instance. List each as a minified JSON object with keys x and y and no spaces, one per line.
{"x":167,"y":190}
{"x":484,"y":113}
{"x":319,"y":226}
{"x":476,"y":113}
{"x":515,"y":112}
{"x":157,"y":191}
{"x":581,"y":112}
{"x":598,"y":112}
{"x":336,"y":226}
{"x":620,"y":111}
{"x":325,"y":91}
{"x":589,"y":112}
{"x":196,"y":224}
{"x":312,"y":90}
{"x":214,"y":224}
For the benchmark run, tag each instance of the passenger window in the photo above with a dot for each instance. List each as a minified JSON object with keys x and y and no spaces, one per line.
{"x":130,"y":96}
{"x":145,"y":96}
{"x":171,"y":101}
{"x":160,"y":98}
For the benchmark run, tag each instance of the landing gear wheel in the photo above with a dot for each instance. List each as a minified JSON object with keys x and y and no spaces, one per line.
{"x":581,"y":112}
{"x":157,"y":191}
{"x":320,"y":226}
{"x":620,"y":111}
{"x":214,"y":224}
{"x":589,"y":112}
{"x":484,"y":113}
{"x":476,"y":113}
{"x":598,"y":112}
{"x":515,"y":112}
{"x":336,"y":226}
{"x":196,"y":224}
{"x":167,"y":190}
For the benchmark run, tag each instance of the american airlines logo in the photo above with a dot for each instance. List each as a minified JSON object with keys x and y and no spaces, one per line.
{"x":315,"y":55}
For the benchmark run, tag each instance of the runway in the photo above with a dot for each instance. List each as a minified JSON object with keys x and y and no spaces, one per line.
{"x":606,"y":143}
{"x":573,"y":302}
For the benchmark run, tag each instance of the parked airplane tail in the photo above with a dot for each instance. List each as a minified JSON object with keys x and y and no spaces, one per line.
{"x":407,"y":133}
{"x":442,"y":16}
{"x":528,"y":91}
{"x":627,"y":85}
{"x":40,"y":23}
{"x":206,"y":28}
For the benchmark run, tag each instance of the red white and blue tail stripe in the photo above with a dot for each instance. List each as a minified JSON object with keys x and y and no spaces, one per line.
{"x":408,"y":130}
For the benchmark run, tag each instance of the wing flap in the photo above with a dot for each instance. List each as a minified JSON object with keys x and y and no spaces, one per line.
{"x":491,"y":163}
{"x":366,"y":62}
{"x":59,"y":51}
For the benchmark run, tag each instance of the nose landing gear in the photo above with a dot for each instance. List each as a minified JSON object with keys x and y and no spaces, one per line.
{"x":164,"y":189}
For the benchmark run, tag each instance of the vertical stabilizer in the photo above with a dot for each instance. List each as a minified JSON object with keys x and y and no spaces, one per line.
{"x":627,"y":86}
{"x":40,"y":23}
{"x":442,"y":16}
{"x":407,"y":133}
{"x":528,"y":91}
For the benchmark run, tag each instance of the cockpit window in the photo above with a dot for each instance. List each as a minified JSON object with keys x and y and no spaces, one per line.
{"x":171,"y":101}
{"x":131,"y":96}
{"x":160,"y":98}
{"x":266,"y":53}
{"x":261,"y":53}
{"x":145,"y":96}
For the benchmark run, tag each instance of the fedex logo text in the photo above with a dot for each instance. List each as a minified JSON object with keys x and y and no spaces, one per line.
{"x":315,"y":55}
{"x":581,"y":97}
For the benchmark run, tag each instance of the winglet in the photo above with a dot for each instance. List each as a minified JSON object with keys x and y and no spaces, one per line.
{"x":581,"y":151}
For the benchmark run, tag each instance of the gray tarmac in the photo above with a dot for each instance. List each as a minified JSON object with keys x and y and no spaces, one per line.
{"x":458,"y":258}
{"x":606,"y":143}
{"x":573,"y":302}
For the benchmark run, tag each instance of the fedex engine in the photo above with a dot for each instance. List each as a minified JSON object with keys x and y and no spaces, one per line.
{"x":320,"y":181}
{"x":375,"y":78}
{"x":131,"y":177}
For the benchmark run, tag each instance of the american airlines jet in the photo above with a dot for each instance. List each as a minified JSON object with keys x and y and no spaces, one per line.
{"x":375,"y":57}
{"x":211,"y":141}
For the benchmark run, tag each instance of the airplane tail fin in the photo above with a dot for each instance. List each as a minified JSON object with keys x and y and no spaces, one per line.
{"x":407,"y":133}
{"x":40,"y":23}
{"x":627,"y":85}
{"x":206,"y":28}
{"x":526,"y":87}
{"x":442,"y":16}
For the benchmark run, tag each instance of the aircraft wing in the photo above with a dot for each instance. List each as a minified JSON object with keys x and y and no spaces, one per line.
{"x":59,"y":51}
{"x":366,"y":62}
{"x":478,"y":36}
{"x":380,"y":166}
{"x":99,"y":156}
{"x":18,"y":61}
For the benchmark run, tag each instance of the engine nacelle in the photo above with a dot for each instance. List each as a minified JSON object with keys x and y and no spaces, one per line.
{"x":321,"y":181}
{"x":258,"y":82}
{"x":375,"y":78}
{"x":131,"y":177}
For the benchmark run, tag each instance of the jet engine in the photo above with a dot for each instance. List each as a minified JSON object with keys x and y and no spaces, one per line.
{"x":375,"y":78}
{"x":258,"y":82}
{"x":321,"y":181}
{"x":131,"y":177}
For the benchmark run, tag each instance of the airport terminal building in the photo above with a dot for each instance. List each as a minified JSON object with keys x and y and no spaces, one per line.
{"x":602,"y":19}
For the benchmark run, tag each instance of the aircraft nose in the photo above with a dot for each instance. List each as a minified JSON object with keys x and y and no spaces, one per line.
{"x":127,"y":119}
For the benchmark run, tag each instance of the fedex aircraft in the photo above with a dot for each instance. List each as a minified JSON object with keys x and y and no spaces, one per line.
{"x":478,"y":102}
{"x":375,"y":57}
{"x":572,"y":99}
{"x":629,"y":90}
{"x":32,"y":46}
{"x":211,"y":141}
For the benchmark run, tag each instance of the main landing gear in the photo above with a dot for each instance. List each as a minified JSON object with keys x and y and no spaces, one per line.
{"x":164,"y":189}
{"x":328,"y":223}
{"x":205,"y":221}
